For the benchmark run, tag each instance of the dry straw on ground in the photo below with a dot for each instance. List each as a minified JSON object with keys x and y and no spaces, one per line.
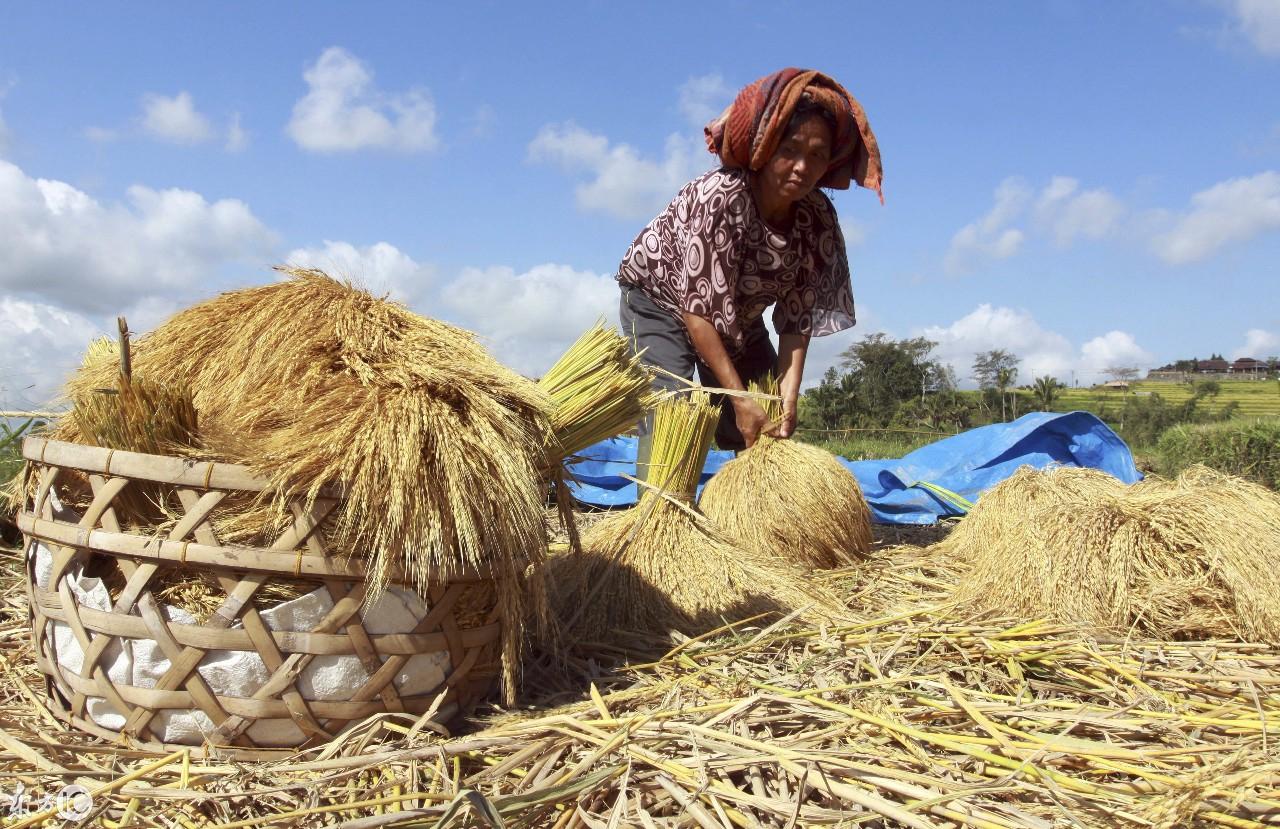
{"x":912,"y":716}
{"x":1199,"y":556}
{"x":662,"y":565}
{"x":789,"y":499}
{"x":437,"y":449}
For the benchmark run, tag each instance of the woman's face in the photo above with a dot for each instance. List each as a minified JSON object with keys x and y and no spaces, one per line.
{"x":800,"y":161}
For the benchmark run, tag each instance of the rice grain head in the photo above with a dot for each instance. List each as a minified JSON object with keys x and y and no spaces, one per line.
{"x":791,"y":500}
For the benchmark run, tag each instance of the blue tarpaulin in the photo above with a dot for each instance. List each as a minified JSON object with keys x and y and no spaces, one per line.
{"x":967,"y":464}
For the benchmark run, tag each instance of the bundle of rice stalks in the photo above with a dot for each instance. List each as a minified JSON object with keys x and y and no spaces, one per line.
{"x":663,"y":565}
{"x":133,"y":412}
{"x":790,"y":499}
{"x":436,"y":447}
{"x":1196,"y":557}
{"x":597,"y":390}
{"x":1007,"y":515}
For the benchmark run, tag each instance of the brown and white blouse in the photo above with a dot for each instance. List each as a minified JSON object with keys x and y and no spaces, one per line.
{"x":711,"y":253}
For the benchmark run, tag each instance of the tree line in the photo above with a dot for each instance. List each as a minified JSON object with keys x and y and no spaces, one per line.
{"x":884,"y":383}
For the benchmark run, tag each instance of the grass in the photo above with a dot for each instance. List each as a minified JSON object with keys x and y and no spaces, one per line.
{"x":1248,"y":448}
{"x":870,"y":444}
{"x":1254,"y":398}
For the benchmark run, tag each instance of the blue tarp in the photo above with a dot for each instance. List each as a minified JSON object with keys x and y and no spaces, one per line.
{"x":968,"y":464}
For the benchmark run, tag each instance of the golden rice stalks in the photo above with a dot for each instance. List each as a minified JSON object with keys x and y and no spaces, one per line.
{"x":135,"y":413}
{"x":1199,"y":556}
{"x":662,"y":565}
{"x":789,"y":499}
{"x":436,"y":447}
{"x":597,"y":390}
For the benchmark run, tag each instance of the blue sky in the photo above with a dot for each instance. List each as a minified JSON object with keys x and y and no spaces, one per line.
{"x":1088,"y":184}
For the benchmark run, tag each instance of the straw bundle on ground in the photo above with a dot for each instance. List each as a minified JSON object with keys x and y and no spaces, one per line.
{"x":436,"y":448}
{"x":1196,"y":557}
{"x":663,"y":565}
{"x":790,"y":499}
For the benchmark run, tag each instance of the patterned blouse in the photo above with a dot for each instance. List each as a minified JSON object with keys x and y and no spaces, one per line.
{"x":712,"y":254}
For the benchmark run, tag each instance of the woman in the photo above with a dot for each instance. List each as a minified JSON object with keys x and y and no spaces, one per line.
{"x":755,"y":232}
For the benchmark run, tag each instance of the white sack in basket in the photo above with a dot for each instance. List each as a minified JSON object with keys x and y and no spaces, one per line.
{"x":141,"y":663}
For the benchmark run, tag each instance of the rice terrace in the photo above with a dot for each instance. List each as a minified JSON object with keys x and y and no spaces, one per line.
{"x":434,"y":418}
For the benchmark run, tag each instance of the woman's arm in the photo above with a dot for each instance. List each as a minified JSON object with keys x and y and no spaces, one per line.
{"x":748,"y":414}
{"x":792,"y":349}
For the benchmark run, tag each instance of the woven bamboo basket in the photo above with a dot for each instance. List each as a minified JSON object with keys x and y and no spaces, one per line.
{"x":463,"y":643}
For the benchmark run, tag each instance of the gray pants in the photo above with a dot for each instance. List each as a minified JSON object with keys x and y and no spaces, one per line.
{"x":666,"y":344}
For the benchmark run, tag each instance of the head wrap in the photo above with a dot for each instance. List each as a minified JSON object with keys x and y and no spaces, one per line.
{"x":748,"y":132}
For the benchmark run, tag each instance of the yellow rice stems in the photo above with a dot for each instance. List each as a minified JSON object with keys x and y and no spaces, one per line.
{"x":597,"y":390}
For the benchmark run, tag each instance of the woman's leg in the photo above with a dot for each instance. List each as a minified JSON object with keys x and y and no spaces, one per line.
{"x":757,"y":359}
{"x":665,"y":344}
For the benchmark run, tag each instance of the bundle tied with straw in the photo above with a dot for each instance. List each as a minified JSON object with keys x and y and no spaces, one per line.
{"x":1195,"y":557}
{"x":790,"y":499}
{"x":437,"y":449}
{"x":598,"y":389}
{"x":662,"y":564}
{"x":135,"y":412}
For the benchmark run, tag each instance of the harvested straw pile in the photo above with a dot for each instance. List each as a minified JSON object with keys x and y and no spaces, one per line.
{"x":437,"y":449}
{"x":908,"y":718}
{"x":1195,"y":557}
{"x":663,"y":565}
{"x":790,"y":499}
{"x":597,"y":390}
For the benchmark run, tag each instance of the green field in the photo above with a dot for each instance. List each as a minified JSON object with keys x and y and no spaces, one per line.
{"x":1256,"y":398}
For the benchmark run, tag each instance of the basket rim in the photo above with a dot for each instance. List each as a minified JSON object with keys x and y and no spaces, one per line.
{"x":165,"y":469}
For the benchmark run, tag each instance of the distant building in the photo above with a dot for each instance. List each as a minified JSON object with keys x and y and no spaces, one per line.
{"x":1215,"y":365}
{"x":1248,"y":365}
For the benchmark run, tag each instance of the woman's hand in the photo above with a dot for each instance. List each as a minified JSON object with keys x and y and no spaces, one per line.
{"x":751,"y":420}
{"x":792,"y":349}
{"x":787,"y":425}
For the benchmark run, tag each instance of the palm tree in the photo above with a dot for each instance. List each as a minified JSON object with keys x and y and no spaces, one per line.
{"x":1045,"y":391}
{"x":1004,"y":379}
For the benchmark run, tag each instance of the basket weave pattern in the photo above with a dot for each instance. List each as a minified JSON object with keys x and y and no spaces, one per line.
{"x":298,"y":553}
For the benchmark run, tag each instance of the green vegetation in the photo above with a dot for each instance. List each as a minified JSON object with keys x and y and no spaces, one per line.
{"x":1248,"y":448}
{"x":11,"y":446}
{"x":889,"y":397}
{"x":1252,"y":398}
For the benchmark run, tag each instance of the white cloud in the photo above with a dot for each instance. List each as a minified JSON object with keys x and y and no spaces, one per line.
{"x":343,"y":111}
{"x":991,"y":236}
{"x":237,"y":136}
{"x":1066,"y":213}
{"x":1114,"y":348}
{"x":174,"y":119}
{"x":989,"y":327}
{"x":529,"y":319}
{"x":1259,"y":22}
{"x":855,"y":233}
{"x":39,"y":345}
{"x":1235,"y":210}
{"x":622,"y":183}
{"x":703,"y":97}
{"x":101,"y":135}
{"x":62,"y":245}
{"x":1258,"y":344}
{"x":380,"y":268}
